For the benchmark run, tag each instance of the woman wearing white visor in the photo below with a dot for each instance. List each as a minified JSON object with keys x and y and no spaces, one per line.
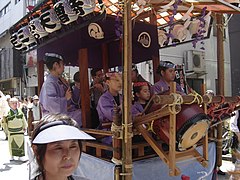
{"x":56,"y":143}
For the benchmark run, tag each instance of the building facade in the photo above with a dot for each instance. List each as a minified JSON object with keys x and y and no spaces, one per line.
{"x":12,"y":63}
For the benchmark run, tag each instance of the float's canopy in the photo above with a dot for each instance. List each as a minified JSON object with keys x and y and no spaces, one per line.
{"x":156,"y":24}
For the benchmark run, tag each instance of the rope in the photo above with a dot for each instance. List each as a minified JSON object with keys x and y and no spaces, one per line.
{"x":150,"y":128}
{"x":197,"y":98}
{"x":177,"y":100}
{"x":117,"y":130}
{"x":209,"y":98}
{"x":116,"y":161}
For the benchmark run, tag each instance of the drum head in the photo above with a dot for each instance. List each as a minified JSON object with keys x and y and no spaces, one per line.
{"x":193,"y":134}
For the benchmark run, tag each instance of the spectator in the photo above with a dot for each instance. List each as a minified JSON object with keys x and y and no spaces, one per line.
{"x":4,"y":108}
{"x":56,"y":144}
{"x":16,"y":126}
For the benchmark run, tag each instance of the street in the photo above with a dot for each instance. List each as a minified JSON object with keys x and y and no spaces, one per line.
{"x":11,"y":170}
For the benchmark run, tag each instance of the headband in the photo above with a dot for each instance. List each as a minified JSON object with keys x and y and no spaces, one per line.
{"x":167,"y":64}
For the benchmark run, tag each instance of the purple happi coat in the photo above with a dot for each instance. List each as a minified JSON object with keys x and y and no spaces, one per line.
{"x":105,"y":107}
{"x":137,"y":108}
{"x":76,"y":101}
{"x":162,"y":86}
{"x":105,"y":111}
{"x":52,"y":99}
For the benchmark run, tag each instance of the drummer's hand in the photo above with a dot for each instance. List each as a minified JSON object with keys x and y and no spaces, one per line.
{"x":68,"y":94}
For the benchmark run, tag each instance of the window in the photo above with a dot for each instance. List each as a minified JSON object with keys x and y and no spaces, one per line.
{"x":4,"y":10}
{"x":32,"y":2}
{"x":16,"y":1}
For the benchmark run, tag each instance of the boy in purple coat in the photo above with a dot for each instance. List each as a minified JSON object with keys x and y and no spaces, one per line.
{"x":109,"y":99}
{"x":55,"y":95}
{"x":166,"y":70}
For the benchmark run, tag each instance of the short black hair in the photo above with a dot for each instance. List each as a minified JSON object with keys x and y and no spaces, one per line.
{"x":76,"y":77}
{"x":94,"y":71}
{"x":51,"y":58}
{"x":162,"y":66}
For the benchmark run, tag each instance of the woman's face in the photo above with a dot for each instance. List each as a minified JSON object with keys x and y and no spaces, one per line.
{"x":13,"y":105}
{"x":61,"y":158}
{"x":144,"y":94}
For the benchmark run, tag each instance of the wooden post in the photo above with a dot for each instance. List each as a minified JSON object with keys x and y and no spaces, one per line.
{"x":127,"y":92}
{"x":155,"y":59}
{"x":172,"y":137}
{"x":84,"y":90}
{"x":40,"y":69}
{"x":205,"y":138}
{"x":105,"y":57}
{"x":220,"y":64}
{"x":117,"y":143}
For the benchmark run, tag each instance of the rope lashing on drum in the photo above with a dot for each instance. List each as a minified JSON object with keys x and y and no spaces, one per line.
{"x":177,"y":100}
{"x":117,"y":131}
{"x":150,"y":128}
{"x":197,"y":98}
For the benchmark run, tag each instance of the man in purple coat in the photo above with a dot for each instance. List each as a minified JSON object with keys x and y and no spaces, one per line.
{"x":166,"y":70}
{"x":109,"y":99}
{"x":55,"y":95}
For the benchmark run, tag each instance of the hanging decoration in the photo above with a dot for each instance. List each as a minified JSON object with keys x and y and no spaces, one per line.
{"x":36,"y":29}
{"x":25,"y":36}
{"x":17,"y":44}
{"x":82,"y":7}
{"x":64,"y":12}
{"x":141,"y":4}
{"x":162,"y":37}
{"x":179,"y":33}
{"x":145,"y":39}
{"x":171,"y":21}
{"x":95,"y":31}
{"x":199,"y":36}
{"x":118,"y":26}
{"x":49,"y":20}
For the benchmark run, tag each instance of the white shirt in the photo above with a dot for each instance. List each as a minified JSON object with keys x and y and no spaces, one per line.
{"x":233,"y":122}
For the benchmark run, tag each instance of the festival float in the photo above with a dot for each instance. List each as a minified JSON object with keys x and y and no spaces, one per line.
{"x":109,"y":33}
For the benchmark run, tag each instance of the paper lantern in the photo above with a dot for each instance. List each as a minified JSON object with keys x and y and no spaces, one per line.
{"x":64,"y":12}
{"x":36,"y":28}
{"x":162,"y":37}
{"x":82,"y":7}
{"x":17,"y":44}
{"x":50,"y":21}
{"x":25,"y":36}
{"x":179,"y":32}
